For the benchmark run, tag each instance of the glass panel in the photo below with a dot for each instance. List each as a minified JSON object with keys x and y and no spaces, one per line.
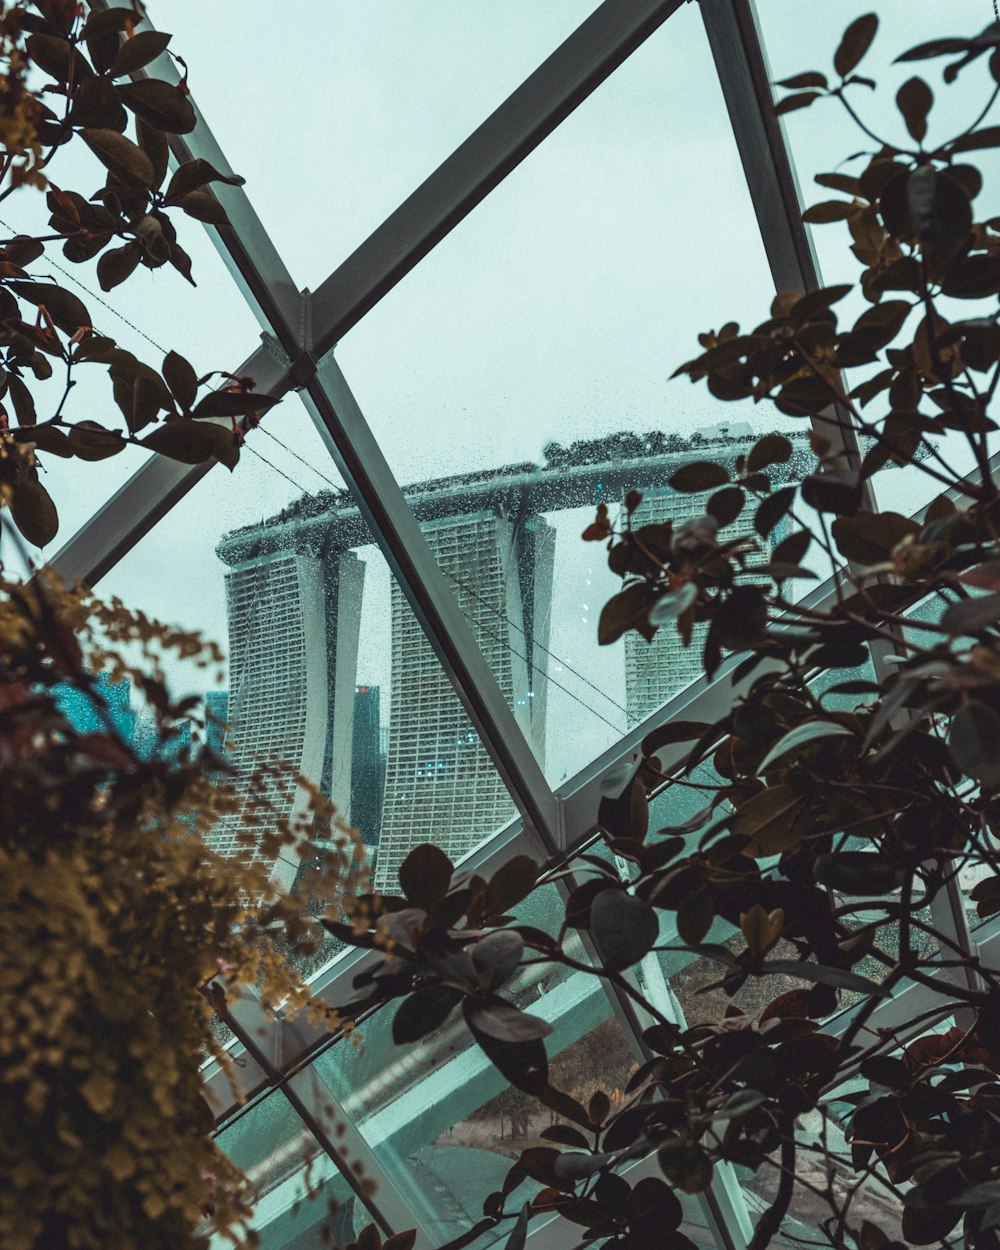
{"x":823,"y":137}
{"x":298,"y":1190}
{"x":442,"y":1121}
{"x":383,"y":94}
{"x":328,"y":671}
{"x":530,"y":356}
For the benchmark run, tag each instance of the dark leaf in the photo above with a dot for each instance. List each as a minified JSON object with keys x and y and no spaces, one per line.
{"x":181,"y":378}
{"x":699,"y":475}
{"x":182,"y":440}
{"x":203,"y":207}
{"x":772,"y":509}
{"x":34,"y":512}
{"x":424,"y":1011}
{"x":800,"y":736}
{"x":971,"y":616}
{"x":162,"y":105}
{"x":855,"y":43}
{"x":837,"y":490}
{"x":792,"y":550}
{"x":988,"y":137}
{"x":90,"y":441}
{"x":138,"y":51}
{"x":565,"y":1135}
{"x":771,"y":449}
{"x":623,"y":927}
{"x":800,"y":81}
{"x":869,"y":538}
{"x":66,"y":310}
{"x":498,"y":1019}
{"x":973,"y":738}
{"x":117,"y":264}
{"x":524,"y":1064}
{"x":510,"y":884}
{"x":863,"y":873}
{"x":197,"y":173}
{"x":519,"y":1232}
{"x":24,"y":405}
{"x":801,"y":100}
{"x":726,"y":505}
{"x":695,"y":916}
{"x":914,"y":100}
{"x":838,"y":978}
{"x":425,"y":875}
{"x":128,"y":162}
{"x":629,"y":609}
{"x":96,"y":104}
{"x":940,"y":213}
{"x":233,"y":404}
{"x":772,"y":820}
{"x":829,"y":210}
{"x":496,"y":957}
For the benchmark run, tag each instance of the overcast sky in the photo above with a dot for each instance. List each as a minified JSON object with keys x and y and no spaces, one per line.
{"x":557,"y":310}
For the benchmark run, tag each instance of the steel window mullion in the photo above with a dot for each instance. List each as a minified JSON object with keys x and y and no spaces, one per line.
{"x":562,"y":82}
{"x":394,"y":527}
{"x":244,"y":245}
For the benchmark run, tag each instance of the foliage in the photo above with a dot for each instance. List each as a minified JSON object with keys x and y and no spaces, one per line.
{"x":69,"y":76}
{"x":841,"y":815}
{"x":121,"y":934}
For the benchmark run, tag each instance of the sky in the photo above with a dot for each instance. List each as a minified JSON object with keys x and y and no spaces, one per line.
{"x":557,"y":310}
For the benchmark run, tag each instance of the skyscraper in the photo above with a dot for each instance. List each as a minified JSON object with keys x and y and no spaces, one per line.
{"x":83,"y":713}
{"x":367,"y":765}
{"x":294,"y":607}
{"x":441,"y":785}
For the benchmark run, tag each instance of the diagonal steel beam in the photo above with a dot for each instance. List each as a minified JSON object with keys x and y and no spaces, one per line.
{"x":562,"y":82}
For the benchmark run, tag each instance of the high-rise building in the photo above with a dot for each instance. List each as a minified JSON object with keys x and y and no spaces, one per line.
{"x":441,"y":784}
{"x":217,"y":721}
{"x":294,"y":606}
{"x":368,"y":761}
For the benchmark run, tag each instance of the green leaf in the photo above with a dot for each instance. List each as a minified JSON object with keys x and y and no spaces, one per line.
{"x":34,"y":513}
{"x":424,"y":1011}
{"x":623,"y":927}
{"x":125,"y":159}
{"x":164,"y":106}
{"x":973,"y":738}
{"x":425,"y":875}
{"x":138,"y":51}
{"x":914,"y":100}
{"x":699,"y":475}
{"x":855,"y":43}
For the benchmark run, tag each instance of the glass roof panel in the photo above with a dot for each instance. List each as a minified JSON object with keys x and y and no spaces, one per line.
{"x":370,"y":99}
{"x":523,"y":363}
